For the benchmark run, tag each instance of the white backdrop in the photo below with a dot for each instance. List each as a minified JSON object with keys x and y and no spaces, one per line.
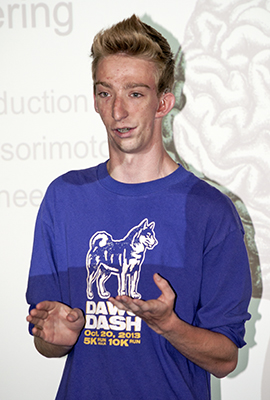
{"x":48,"y":126}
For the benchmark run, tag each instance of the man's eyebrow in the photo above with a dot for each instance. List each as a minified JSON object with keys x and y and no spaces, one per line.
{"x":135,"y":85}
{"x":107,"y":85}
{"x":131,"y":85}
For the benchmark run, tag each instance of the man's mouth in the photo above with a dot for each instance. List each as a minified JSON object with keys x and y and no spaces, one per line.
{"x":123,"y":130}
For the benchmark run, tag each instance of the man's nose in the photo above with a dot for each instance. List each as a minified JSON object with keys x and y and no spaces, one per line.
{"x":119,"y":109}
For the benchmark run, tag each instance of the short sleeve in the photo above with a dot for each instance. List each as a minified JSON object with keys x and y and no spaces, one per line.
{"x":226,"y":288}
{"x":43,"y":282}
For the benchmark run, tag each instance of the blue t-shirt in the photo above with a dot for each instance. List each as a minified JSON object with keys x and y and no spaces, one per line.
{"x":97,"y":237}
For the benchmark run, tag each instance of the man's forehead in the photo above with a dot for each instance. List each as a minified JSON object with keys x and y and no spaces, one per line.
{"x":125,"y":62}
{"x":129,"y":72}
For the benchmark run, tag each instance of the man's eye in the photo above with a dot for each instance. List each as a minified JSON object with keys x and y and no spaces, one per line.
{"x":136,"y":94}
{"x":103,"y":94}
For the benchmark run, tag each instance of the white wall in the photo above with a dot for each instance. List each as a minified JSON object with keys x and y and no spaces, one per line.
{"x":46,"y":105}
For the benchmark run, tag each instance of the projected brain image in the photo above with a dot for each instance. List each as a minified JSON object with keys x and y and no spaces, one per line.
{"x":222,"y":132}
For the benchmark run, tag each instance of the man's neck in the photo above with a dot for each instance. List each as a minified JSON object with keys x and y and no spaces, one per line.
{"x":139,"y":168}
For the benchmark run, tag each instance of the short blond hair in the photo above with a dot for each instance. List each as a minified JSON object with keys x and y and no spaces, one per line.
{"x":137,"y":39}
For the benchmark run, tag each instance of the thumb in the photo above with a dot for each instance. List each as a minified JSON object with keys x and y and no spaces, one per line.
{"x":74,"y":315}
{"x":164,"y":286}
{"x":159,"y":281}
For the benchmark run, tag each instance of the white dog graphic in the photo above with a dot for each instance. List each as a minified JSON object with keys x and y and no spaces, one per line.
{"x":122,"y":258}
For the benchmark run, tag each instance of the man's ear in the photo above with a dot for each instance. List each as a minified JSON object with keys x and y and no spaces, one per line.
{"x":166,"y":103}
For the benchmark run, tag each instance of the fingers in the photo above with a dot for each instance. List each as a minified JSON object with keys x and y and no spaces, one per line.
{"x":37,"y":331}
{"x":36,"y":316}
{"x":155,"y":308}
{"x":124,"y":303}
{"x":130,"y":304}
{"x":46,"y":305}
{"x":41,"y":312}
{"x":119,"y":302}
{"x":136,"y":306}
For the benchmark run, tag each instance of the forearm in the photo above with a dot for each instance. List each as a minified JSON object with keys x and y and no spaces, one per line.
{"x":212,"y":351}
{"x":50,"y":350}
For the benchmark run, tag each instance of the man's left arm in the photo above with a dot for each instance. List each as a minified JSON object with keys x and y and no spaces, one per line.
{"x":212,"y":351}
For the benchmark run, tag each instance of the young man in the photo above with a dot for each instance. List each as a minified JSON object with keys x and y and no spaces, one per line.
{"x":139,"y":271}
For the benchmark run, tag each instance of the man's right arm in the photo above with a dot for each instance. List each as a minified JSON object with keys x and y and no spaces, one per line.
{"x":56,"y":327}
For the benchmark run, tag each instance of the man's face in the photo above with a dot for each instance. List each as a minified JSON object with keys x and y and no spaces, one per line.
{"x":127,"y":101}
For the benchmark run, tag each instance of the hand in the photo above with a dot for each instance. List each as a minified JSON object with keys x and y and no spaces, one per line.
{"x":212,"y":351}
{"x":157,"y":313}
{"x":56,"y":323}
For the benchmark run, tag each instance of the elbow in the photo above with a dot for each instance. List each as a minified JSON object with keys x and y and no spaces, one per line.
{"x":225,"y":367}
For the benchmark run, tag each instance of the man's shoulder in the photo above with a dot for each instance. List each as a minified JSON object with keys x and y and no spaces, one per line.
{"x":75,"y":178}
{"x":70,"y":184}
{"x":81,"y":176}
{"x":205,"y":196}
{"x":206,"y":190}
